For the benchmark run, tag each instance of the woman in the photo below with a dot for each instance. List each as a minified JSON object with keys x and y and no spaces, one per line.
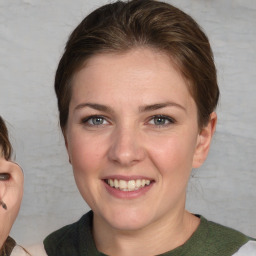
{"x":137,"y":92}
{"x":11,"y":191}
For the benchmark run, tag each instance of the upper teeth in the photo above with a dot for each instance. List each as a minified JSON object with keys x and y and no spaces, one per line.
{"x":130,"y":185}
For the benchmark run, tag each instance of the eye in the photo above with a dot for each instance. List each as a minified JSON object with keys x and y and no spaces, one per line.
{"x":160,"y":120}
{"x":94,"y":121}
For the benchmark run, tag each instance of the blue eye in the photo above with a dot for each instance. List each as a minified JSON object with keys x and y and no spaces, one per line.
{"x":94,"y":121}
{"x":160,"y":120}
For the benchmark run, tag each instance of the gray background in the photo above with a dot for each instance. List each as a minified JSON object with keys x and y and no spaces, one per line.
{"x":32,"y":38}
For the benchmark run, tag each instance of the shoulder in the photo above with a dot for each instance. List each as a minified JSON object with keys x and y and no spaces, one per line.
{"x":68,"y":231}
{"x":249,"y":249}
{"x":63,"y":233}
{"x":68,"y":239}
{"x":225,"y":234}
{"x":18,"y":251}
{"x":35,"y":250}
{"x":225,"y":240}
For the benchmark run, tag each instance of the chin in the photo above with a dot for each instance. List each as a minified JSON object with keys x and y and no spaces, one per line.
{"x":128,"y":225}
{"x":128,"y":220}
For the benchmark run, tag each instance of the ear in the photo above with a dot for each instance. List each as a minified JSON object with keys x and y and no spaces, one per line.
{"x":204,"y":140}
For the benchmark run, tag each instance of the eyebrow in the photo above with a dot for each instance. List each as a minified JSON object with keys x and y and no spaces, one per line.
{"x":145,"y":108}
{"x":95,"y":106}
{"x":157,"y":106}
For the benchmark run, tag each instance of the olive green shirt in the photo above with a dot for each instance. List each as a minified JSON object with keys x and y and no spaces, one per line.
{"x":210,"y":239}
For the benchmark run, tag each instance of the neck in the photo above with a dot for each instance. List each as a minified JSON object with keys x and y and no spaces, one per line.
{"x":159,"y":237}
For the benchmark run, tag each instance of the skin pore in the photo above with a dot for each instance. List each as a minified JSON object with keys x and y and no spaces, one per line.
{"x":133,"y":121}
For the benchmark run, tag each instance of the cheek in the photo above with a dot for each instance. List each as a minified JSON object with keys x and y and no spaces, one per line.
{"x":85,"y":153}
{"x":173,"y":154}
{"x":85,"y":157}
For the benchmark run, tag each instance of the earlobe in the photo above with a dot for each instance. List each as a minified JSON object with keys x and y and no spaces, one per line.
{"x":204,"y":141}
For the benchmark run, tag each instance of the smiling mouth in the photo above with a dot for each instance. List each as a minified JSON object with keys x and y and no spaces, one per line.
{"x":130,"y":185}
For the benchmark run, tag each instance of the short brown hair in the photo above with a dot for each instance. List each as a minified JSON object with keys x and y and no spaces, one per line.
{"x":4,"y":140}
{"x":122,"y":26}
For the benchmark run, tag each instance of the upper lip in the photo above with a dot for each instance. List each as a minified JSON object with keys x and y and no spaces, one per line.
{"x":126,"y":178}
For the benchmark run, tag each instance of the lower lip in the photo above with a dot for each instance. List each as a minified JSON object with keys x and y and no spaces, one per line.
{"x":127,"y":194}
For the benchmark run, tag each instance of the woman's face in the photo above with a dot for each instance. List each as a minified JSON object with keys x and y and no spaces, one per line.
{"x":11,"y":191}
{"x":132,"y":138}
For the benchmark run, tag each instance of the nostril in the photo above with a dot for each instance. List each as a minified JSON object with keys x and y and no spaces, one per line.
{"x":3,"y":204}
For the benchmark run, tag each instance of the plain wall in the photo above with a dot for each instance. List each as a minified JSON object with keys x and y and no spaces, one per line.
{"x":32,"y":37}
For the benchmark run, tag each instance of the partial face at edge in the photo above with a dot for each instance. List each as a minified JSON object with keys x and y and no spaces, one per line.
{"x":132,"y":138}
{"x":11,"y":192}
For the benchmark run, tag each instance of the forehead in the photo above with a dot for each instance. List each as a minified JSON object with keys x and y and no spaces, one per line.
{"x":139,"y":58}
{"x":137,"y":69}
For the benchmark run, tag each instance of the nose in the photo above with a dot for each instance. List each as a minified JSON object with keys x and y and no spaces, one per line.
{"x":126,"y":147}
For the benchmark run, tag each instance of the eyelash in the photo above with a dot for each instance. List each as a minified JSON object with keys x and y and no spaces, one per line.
{"x":165,"y":118}
{"x":152,"y":118}
{"x":87,"y":119}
